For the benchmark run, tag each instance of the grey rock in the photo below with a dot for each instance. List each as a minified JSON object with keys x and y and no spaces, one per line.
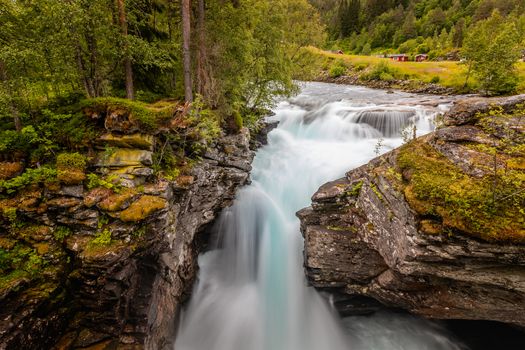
{"x":370,"y":243}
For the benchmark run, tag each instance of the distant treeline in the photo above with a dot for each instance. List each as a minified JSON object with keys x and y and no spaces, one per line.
{"x":435,"y":27}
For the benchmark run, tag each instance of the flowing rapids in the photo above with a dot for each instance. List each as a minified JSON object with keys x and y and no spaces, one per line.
{"x":251,"y":293}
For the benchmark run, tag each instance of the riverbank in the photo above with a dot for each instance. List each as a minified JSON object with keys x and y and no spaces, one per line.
{"x":99,"y":245}
{"x":431,"y":77}
{"x":435,"y":227}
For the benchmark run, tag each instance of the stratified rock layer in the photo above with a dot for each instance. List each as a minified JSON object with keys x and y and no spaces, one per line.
{"x":127,"y":259}
{"x":369,"y":235}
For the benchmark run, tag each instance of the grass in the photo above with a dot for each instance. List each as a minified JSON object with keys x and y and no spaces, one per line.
{"x":451,"y":74}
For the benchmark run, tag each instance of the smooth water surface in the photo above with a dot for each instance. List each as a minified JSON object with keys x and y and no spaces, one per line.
{"x":252,"y":293}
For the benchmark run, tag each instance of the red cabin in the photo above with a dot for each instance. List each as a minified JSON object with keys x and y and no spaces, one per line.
{"x":399,"y":57}
{"x":421,"y":57}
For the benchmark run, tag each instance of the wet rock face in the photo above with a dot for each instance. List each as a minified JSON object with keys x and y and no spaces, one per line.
{"x":367,"y":235}
{"x":123,"y":289}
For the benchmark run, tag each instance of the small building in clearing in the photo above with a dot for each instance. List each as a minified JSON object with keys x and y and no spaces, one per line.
{"x":399,"y":57}
{"x":421,"y":57}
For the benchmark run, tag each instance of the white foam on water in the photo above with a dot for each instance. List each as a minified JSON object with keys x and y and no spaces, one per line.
{"x":252,"y":293}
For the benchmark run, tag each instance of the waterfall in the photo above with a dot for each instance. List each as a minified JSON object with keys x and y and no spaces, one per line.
{"x":251,"y":293}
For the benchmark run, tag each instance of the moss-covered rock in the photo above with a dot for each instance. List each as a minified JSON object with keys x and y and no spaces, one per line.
{"x":140,"y":141}
{"x":117,"y":201}
{"x":479,"y":195}
{"x":129,"y":117}
{"x":9,"y":170}
{"x":142,"y":208}
{"x":123,"y":157}
{"x":444,"y":216}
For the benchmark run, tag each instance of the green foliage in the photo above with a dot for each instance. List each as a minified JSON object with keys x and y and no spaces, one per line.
{"x":492,"y":51}
{"x":435,"y":27}
{"x":381,"y":71}
{"x":435,"y":80}
{"x":20,"y":259}
{"x":255,"y":45}
{"x":52,"y":52}
{"x":29,"y":177}
{"x":111,"y":182}
{"x":337,"y":71}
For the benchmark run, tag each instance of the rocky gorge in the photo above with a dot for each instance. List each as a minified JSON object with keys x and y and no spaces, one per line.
{"x":107,"y":263}
{"x":435,"y":227}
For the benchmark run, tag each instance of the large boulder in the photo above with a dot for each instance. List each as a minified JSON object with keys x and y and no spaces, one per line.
{"x":435,"y":227}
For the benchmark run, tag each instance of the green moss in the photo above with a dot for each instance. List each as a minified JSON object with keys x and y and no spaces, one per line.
{"x":142,"y":208}
{"x":11,"y":279}
{"x":71,"y":161}
{"x":61,"y":233}
{"x":20,"y":258}
{"x":149,"y":117}
{"x":103,"y":238}
{"x":356,"y":189}
{"x":374,"y":188}
{"x":484,"y":208}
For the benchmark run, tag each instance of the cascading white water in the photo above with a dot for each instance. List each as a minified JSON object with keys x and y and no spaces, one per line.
{"x":251,"y":293}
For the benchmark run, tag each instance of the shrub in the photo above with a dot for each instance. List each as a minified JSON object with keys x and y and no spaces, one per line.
{"x":386,"y":76}
{"x":111,"y":182}
{"x":381,"y":71}
{"x":30,"y":176}
{"x":337,"y":71}
{"x":435,"y":80}
{"x":358,"y":67}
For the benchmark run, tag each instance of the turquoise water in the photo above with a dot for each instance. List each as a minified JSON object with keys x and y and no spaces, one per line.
{"x":251,"y":293}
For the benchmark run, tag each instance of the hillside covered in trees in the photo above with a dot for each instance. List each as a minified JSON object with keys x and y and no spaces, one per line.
{"x":434,"y":27}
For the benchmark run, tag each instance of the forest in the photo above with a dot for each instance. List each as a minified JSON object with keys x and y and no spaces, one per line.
{"x":230,"y":57}
{"x":485,"y":37}
{"x":434,"y":27}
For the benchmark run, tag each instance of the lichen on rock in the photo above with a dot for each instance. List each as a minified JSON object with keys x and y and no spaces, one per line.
{"x":142,"y":208}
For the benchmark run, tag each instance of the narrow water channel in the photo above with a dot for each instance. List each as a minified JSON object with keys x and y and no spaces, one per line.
{"x":251,"y":293}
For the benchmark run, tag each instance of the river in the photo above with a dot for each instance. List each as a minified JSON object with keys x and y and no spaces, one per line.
{"x":252,"y":293}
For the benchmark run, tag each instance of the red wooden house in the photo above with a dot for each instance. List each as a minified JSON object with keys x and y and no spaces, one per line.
{"x":399,"y":57}
{"x":421,"y":57}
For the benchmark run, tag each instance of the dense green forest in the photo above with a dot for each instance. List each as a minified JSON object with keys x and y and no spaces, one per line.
{"x":436,"y":27}
{"x":232,"y":57}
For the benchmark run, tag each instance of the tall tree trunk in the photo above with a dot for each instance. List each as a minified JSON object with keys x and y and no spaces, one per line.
{"x":127,"y":59}
{"x":81,"y":66}
{"x":186,"y":53}
{"x":201,"y":54}
{"x":14,"y":110}
{"x":93,"y":70}
{"x":16,"y":117}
